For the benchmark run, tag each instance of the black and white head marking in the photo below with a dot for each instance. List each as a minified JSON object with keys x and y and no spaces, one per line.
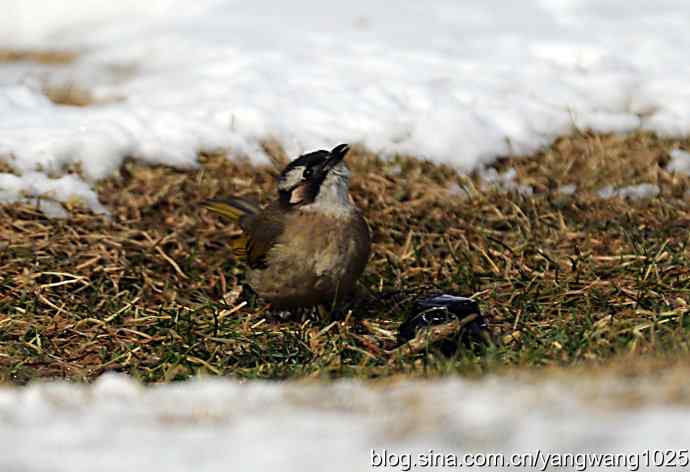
{"x":304,"y":168}
{"x":305,"y":178}
{"x":333,"y":198}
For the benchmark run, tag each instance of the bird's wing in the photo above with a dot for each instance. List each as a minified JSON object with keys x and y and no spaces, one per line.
{"x":261,"y":235}
{"x":261,"y":228}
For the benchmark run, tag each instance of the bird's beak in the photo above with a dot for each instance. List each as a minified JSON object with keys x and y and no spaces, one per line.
{"x":337,"y":154}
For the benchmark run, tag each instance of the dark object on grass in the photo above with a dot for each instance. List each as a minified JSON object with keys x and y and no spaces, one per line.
{"x":437,"y":310}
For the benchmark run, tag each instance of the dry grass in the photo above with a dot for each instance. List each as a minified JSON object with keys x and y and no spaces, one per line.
{"x":564,"y":279}
{"x":41,"y":57}
{"x":69,"y":94}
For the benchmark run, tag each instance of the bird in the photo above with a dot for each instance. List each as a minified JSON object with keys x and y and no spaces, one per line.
{"x":309,"y":245}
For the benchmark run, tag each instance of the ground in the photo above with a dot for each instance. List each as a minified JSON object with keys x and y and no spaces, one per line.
{"x":565,"y":279}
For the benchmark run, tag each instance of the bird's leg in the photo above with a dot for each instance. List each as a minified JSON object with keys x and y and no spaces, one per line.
{"x":336,"y":312}
{"x":338,"y":308}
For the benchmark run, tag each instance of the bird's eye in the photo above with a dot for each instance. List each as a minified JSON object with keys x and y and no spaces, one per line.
{"x":307,"y":172}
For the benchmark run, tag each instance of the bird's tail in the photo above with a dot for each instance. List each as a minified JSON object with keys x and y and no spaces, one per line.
{"x":233,"y":208}
{"x":238,"y":210}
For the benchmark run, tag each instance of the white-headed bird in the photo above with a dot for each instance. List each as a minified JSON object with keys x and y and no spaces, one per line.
{"x":310,"y":245}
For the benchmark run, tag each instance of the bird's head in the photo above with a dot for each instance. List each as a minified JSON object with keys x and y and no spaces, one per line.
{"x":316,"y":177}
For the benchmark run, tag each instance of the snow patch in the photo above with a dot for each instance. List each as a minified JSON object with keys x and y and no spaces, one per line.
{"x":220,"y":425}
{"x":504,"y":182}
{"x":632,"y":192}
{"x":680,"y":162}
{"x":568,"y":189}
{"x":68,"y":188}
{"x":454,"y":82}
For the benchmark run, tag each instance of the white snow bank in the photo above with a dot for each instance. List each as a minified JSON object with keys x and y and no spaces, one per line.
{"x":222,"y":425}
{"x":37,"y":24}
{"x":456,"y":82}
